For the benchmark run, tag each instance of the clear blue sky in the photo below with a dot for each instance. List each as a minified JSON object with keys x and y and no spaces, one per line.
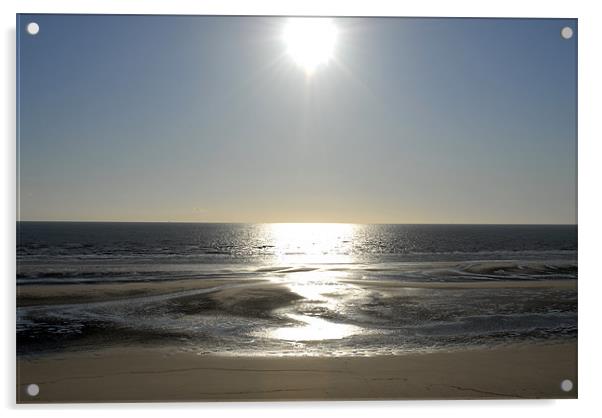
{"x":181,"y":118}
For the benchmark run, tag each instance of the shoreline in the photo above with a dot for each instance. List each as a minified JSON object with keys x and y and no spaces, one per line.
{"x":129,"y":374}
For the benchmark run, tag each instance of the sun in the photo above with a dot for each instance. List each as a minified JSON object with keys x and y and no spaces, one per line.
{"x":310,"y":41}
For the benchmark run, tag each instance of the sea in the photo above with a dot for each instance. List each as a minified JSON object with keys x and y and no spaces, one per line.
{"x":293,"y":289}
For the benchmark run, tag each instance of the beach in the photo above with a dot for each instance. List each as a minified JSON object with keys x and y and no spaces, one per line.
{"x":151,"y":375}
{"x":144,"y":312}
{"x":303,"y":313}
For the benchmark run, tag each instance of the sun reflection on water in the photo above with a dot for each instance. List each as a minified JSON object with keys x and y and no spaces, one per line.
{"x":316,"y":329}
{"x":311,"y":250}
{"x":306,"y":243}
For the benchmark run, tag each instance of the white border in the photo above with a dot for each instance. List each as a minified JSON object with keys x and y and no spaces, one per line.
{"x":508,"y":8}
{"x":590,"y":208}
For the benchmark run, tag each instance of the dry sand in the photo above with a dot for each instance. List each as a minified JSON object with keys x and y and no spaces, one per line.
{"x":145,"y":374}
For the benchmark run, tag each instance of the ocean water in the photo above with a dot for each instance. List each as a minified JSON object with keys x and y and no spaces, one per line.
{"x":294,"y":289}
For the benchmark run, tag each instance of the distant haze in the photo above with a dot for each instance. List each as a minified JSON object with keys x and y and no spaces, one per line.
{"x":207,"y":119}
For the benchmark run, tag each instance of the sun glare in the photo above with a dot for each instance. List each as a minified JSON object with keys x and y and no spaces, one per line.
{"x":310,"y":41}
{"x":306,"y":243}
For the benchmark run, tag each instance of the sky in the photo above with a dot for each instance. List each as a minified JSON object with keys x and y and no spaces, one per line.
{"x":208,"y":119}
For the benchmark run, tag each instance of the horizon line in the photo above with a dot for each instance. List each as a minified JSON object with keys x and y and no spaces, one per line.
{"x":296,"y":222}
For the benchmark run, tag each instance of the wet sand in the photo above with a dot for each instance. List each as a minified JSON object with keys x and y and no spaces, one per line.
{"x":56,"y":294}
{"x":32,"y":295}
{"x":163,"y":374}
{"x":500,"y":284}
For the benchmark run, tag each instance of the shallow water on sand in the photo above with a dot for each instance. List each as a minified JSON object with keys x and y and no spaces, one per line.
{"x":293,"y":289}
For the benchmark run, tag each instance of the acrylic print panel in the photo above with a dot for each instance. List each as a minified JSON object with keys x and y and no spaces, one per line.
{"x":275,"y":208}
